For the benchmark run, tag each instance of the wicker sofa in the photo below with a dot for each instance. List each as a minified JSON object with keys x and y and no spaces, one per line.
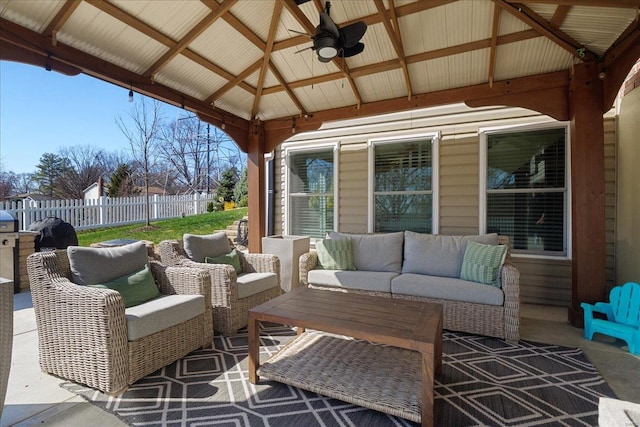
{"x":427,"y":268}
{"x":86,"y":335}
{"x":233,"y":293}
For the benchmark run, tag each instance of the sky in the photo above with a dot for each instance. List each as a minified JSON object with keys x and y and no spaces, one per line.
{"x":42,"y":111}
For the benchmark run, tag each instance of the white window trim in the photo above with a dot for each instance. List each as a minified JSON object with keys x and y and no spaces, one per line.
{"x":335,"y":147}
{"x":482,"y":217}
{"x":435,"y":175}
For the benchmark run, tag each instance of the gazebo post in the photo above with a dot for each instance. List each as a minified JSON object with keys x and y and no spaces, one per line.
{"x":256,"y":185}
{"x":587,"y":189}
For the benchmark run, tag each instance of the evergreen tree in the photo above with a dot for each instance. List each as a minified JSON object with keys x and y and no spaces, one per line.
{"x":49,"y":171}
{"x":227,"y":184}
{"x":121,"y":182}
{"x":241,"y":191}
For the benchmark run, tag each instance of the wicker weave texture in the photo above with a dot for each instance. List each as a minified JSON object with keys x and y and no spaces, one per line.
{"x":82,"y":331}
{"x":495,"y":321}
{"x":230,"y":313}
{"x":379,"y":377}
{"x":6,"y":336}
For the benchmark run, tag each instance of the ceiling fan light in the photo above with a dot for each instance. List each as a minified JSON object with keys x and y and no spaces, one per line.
{"x":326,"y":47}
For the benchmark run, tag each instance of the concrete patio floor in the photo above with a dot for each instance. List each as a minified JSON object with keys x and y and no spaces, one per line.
{"x":34,"y":398}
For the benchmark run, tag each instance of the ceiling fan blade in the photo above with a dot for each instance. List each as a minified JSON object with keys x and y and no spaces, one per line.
{"x":299,"y":32}
{"x":351,"y":34}
{"x":299,"y":2}
{"x":351,"y":51}
{"x":327,"y":24}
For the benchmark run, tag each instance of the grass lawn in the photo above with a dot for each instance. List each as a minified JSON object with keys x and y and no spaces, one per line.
{"x":165,"y":229}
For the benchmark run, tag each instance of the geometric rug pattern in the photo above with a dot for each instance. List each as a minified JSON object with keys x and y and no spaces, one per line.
{"x":484,"y":382}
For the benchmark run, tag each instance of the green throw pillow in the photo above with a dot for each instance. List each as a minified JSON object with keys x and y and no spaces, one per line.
{"x":135,"y":288}
{"x":482,"y":263}
{"x":335,"y":254}
{"x":231,"y":258}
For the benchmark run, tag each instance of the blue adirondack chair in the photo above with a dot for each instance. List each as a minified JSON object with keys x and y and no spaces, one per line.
{"x":623,"y":316}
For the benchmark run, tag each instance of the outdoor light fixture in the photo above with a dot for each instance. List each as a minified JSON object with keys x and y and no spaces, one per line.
{"x":326,"y":48}
{"x":130,"y":93}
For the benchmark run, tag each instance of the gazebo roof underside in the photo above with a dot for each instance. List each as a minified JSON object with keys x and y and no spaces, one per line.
{"x":233,"y":61}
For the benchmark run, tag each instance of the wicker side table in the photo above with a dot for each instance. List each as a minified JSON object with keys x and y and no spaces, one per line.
{"x":6,"y":335}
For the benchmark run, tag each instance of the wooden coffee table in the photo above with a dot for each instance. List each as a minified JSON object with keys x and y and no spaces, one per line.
{"x":411,"y":325}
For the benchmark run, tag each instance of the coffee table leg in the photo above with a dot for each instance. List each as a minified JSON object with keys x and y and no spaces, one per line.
{"x":428,"y":359}
{"x":254,"y":350}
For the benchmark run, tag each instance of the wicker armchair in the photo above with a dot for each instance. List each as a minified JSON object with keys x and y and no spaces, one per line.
{"x":230,"y":312}
{"x":82,"y":331}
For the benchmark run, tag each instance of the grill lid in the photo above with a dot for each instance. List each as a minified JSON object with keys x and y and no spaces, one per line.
{"x":8,"y":223}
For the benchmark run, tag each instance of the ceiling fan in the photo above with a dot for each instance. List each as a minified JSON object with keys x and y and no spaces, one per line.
{"x":330,"y":41}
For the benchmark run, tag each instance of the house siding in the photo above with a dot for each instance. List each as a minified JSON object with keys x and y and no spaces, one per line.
{"x":542,"y":280}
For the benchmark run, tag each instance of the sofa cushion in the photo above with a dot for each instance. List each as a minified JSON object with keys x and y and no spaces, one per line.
{"x":364,"y":280}
{"x":438,"y":255}
{"x":91,"y":266}
{"x":198,"y":247}
{"x":162,"y":313}
{"x":230,"y":258}
{"x":446,"y":288}
{"x":482,"y":263}
{"x":375,"y":252}
{"x":135,"y":288}
{"x":253,"y":283}
{"x":335,"y":254}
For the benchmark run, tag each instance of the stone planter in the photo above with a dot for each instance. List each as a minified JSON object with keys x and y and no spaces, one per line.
{"x":288,"y":249}
{"x":6,"y":335}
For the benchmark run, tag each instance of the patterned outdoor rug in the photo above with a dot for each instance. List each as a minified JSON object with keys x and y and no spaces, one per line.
{"x":485,"y":381}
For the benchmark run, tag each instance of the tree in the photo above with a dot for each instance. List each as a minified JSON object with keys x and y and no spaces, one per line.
{"x":227,"y":184}
{"x":85,"y":167}
{"x":146,"y":121}
{"x":121,"y":182}
{"x":48,"y":173}
{"x":8,"y":182}
{"x":24,"y":183}
{"x":241,"y":190}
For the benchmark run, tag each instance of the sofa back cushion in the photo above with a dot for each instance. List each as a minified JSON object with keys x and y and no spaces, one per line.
{"x":91,"y":266}
{"x":375,"y":252}
{"x":199,"y":247}
{"x":438,"y":255}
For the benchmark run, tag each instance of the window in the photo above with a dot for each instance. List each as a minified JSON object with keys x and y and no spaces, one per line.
{"x":311,"y":192}
{"x":403,"y":182}
{"x":526,"y":193}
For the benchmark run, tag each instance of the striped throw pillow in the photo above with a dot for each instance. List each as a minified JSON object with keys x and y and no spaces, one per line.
{"x":335,"y":254}
{"x":481,"y":263}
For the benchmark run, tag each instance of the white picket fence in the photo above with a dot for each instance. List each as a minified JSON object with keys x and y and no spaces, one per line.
{"x":106,"y":211}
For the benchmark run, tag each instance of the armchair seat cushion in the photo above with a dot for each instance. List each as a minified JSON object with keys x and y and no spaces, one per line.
{"x":161,"y":313}
{"x":446,"y":288}
{"x":376,"y":281}
{"x":254,"y":283}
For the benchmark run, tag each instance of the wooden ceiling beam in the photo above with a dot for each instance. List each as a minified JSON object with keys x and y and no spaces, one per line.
{"x":180,"y":46}
{"x":60,"y":19}
{"x":376,"y":18}
{"x":273,"y":27}
{"x":235,"y":81}
{"x":287,"y":89}
{"x":559,"y":16}
{"x":237,"y":25}
{"x":495,"y":26}
{"x":626,"y":4}
{"x":156,"y":35}
{"x":393,"y":64}
{"x":618,"y":61}
{"x":37,"y":44}
{"x":390,"y":22}
{"x":538,"y":23}
{"x":277,"y":130}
